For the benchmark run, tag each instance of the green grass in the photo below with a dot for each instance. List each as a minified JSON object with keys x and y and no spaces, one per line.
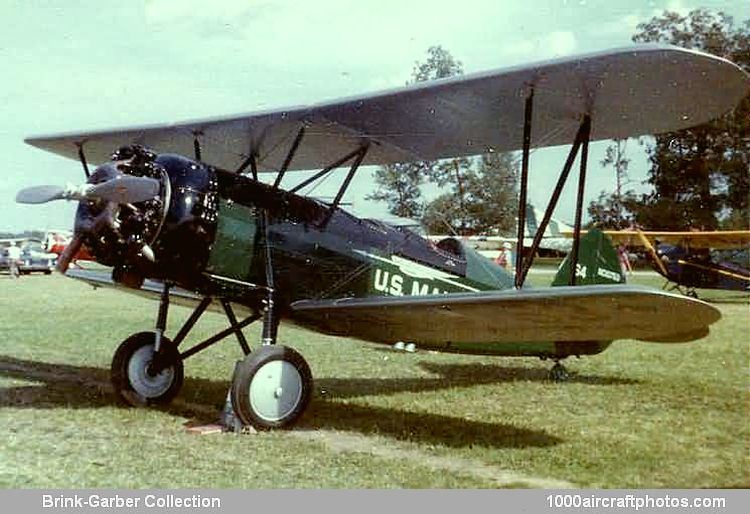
{"x":638,"y":415}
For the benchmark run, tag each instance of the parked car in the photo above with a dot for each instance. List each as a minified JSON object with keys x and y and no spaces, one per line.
{"x":35,"y":259}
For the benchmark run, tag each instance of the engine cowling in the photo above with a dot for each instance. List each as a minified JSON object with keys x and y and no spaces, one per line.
{"x":168,"y":236}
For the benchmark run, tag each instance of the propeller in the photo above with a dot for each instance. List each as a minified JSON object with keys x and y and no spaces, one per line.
{"x":121,"y":189}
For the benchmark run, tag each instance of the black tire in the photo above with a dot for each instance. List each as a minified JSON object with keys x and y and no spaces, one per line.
{"x":271,"y":388}
{"x":130,"y":378}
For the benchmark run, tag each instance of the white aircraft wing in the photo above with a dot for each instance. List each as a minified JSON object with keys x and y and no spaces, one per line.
{"x":644,"y":89}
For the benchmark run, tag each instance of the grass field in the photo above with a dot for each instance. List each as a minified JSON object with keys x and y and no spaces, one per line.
{"x":639,"y":415}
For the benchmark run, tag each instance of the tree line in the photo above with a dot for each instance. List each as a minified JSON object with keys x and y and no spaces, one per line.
{"x":700,"y":177}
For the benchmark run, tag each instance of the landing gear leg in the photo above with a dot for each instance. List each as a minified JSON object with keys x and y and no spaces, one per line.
{"x":272,"y":386}
{"x":558,"y":373}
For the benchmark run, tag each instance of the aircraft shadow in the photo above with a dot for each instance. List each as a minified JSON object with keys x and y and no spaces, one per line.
{"x":452,"y":376}
{"x":739,"y":298}
{"x":65,"y":386}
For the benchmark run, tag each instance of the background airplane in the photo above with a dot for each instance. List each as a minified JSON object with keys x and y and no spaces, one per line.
{"x":56,"y":241}
{"x":695,"y":259}
{"x":554,"y":242}
{"x":5,"y":242}
{"x":227,"y":239}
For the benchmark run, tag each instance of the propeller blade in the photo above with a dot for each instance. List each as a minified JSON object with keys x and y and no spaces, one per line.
{"x":125,"y":189}
{"x":121,"y":189}
{"x":70,"y":251}
{"x":40,"y":194}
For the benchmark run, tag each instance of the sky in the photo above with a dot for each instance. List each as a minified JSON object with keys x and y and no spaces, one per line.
{"x":72,"y":66}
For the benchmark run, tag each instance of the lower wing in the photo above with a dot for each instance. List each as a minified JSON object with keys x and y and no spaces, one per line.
{"x":582,"y":313}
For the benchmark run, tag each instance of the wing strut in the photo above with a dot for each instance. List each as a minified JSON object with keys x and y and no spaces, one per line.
{"x":581,"y":142}
{"x":82,"y":158}
{"x":251,"y":161}
{"x":524,"y":188}
{"x":327,"y":169}
{"x":580,"y":136}
{"x":254,"y":166}
{"x":197,"y":145}
{"x":344,"y":185}
{"x":289,"y":157}
{"x":350,"y":175}
{"x":586,"y":126}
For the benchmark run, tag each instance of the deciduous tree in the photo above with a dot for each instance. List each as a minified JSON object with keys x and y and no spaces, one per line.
{"x":399,"y":184}
{"x":610,"y":209}
{"x":486,"y":200}
{"x":701,"y":176}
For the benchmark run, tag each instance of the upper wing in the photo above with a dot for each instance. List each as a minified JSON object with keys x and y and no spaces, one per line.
{"x":717,"y":240}
{"x":628,"y":92}
{"x":582,"y":313}
{"x":720,"y":239}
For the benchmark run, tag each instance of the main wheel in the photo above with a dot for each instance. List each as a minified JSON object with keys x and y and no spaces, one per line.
{"x":134,"y":382}
{"x":271,"y":387}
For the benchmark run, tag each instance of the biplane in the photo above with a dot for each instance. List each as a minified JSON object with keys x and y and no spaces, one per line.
{"x":5,"y":242}
{"x":502,"y":248}
{"x":179,"y":211}
{"x":55,"y":241}
{"x":694,"y":260}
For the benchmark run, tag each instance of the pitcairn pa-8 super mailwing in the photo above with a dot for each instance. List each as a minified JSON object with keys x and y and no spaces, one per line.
{"x":696,"y":259}
{"x":204,"y":230}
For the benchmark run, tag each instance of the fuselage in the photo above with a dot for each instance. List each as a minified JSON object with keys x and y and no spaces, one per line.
{"x":319,"y":251}
{"x":216,"y":232}
{"x":698,"y":269}
{"x":216,"y":229}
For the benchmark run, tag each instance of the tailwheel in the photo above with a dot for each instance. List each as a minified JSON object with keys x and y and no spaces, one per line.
{"x":558,"y":373}
{"x":271,"y":387}
{"x":142,"y":377}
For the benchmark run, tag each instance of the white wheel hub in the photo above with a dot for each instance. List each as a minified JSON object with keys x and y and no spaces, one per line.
{"x":275,"y":390}
{"x":142,"y":382}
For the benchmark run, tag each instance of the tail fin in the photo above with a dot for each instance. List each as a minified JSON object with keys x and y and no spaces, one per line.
{"x":598,"y":262}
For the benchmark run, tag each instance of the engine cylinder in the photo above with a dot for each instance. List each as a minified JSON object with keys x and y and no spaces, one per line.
{"x":166,"y":237}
